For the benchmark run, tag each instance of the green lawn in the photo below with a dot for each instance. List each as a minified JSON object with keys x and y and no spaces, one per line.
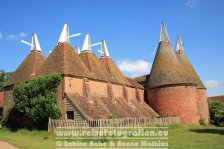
{"x":196,"y":137}
{"x":180,"y":137}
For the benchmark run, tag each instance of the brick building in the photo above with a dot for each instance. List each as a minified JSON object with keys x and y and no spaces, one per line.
{"x":95,"y":88}
{"x":1,"y":103}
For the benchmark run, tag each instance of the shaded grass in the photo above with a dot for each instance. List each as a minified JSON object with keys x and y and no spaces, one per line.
{"x":26,"y":139}
{"x":184,"y":137}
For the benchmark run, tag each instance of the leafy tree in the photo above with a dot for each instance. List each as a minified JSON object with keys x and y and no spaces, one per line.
{"x":37,"y":99}
{"x":4,"y":76}
{"x":216,"y":110}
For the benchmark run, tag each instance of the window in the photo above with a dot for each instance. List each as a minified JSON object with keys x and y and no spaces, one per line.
{"x":70,"y":114}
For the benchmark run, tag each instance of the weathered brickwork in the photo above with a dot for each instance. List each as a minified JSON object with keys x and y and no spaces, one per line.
{"x":73,"y":85}
{"x":131,"y":92}
{"x":98,"y":88}
{"x":203,"y":106}
{"x":141,"y":95}
{"x":118,"y":90}
{"x":9,"y":103}
{"x":175,"y":101}
{"x":61,"y":98}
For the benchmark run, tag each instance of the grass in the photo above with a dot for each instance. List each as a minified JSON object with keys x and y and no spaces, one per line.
{"x":26,"y":139}
{"x":180,"y":137}
{"x":196,"y":137}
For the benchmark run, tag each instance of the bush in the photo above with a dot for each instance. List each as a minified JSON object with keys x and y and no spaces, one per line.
{"x":4,"y":76}
{"x":37,"y":99}
{"x":216,"y":110}
{"x":113,"y":116}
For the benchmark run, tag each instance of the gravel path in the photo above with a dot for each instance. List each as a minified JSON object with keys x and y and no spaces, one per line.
{"x":5,"y":145}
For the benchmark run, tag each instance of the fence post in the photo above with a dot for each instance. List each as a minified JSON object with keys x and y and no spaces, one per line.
{"x":49,"y":125}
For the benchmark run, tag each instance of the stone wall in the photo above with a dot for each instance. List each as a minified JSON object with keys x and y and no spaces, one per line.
{"x":175,"y":101}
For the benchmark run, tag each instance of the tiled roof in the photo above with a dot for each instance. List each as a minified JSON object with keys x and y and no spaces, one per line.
{"x":103,"y":107}
{"x":143,"y":80}
{"x":220,"y":98}
{"x":114,"y":71}
{"x":166,"y":69}
{"x":64,"y":60}
{"x":134,"y":83}
{"x":191,"y":74}
{"x":28,"y":68}
{"x":94,"y":66}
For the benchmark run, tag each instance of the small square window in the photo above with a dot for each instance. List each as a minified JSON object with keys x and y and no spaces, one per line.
{"x":70,"y":114}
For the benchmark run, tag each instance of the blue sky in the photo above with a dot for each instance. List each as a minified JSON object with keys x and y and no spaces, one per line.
{"x":130,"y":27}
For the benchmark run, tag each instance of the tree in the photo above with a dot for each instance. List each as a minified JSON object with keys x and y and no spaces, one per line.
{"x":37,"y":99}
{"x":4,"y":76}
{"x":216,"y":110}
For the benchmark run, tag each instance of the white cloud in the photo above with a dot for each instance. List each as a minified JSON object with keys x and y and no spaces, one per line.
{"x":0,"y":35}
{"x":213,"y":84}
{"x":133,"y":75}
{"x":23,"y":34}
{"x":11,"y":37}
{"x":135,"y":68}
{"x":191,"y":3}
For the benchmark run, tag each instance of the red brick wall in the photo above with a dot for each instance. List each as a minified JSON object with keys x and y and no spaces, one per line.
{"x":175,"y":101}
{"x":8,"y":102}
{"x":141,"y":94}
{"x":61,"y":101}
{"x":203,"y":105}
{"x":98,"y":88}
{"x":118,"y":90}
{"x":131,"y":92}
{"x":73,"y":85}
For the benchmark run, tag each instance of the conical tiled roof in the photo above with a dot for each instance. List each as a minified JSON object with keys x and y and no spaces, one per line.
{"x":95,"y":67}
{"x":114,"y":71}
{"x":191,"y":74}
{"x":64,"y":60}
{"x":166,"y":69}
{"x":92,"y":62}
{"x":28,"y":68}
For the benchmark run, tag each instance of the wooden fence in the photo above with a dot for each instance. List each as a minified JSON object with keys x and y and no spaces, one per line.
{"x":65,"y":124}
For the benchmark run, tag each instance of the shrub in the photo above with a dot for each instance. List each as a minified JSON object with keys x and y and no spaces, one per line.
{"x":37,"y":99}
{"x":216,"y":110}
{"x":113,"y":116}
